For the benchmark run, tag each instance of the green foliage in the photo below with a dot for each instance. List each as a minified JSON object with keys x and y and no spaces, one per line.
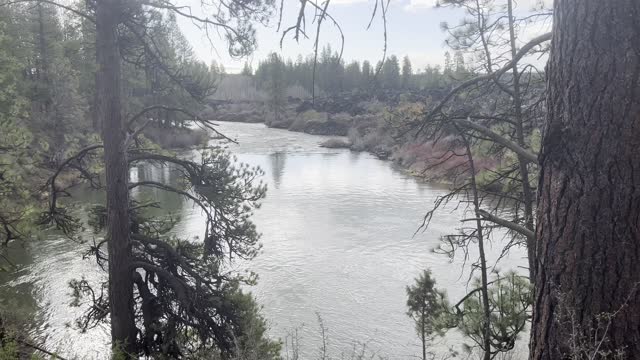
{"x":189,"y":296}
{"x":424,"y":303}
{"x":170,"y":75}
{"x":252,"y":342}
{"x":9,"y":350}
{"x":14,"y":342}
{"x":12,"y":103}
{"x":425,"y":308}
{"x":118,"y":353}
{"x":42,"y":114}
{"x":17,"y":167}
{"x":58,"y":110}
{"x":510,"y":299}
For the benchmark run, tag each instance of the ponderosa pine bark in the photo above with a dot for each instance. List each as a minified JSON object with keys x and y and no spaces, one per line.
{"x":123,"y":330}
{"x":588,"y":232}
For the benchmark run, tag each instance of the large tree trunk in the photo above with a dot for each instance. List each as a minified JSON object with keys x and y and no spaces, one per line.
{"x":123,"y":331}
{"x":588,"y":252}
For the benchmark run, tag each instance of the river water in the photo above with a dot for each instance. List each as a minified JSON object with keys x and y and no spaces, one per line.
{"x":339,"y":241}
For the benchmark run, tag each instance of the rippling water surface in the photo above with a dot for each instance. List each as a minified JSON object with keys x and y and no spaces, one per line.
{"x":339,"y":236}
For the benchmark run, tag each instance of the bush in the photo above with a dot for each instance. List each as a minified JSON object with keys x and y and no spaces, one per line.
{"x":304,"y":120}
{"x":435,"y":161}
{"x":373,"y":140}
{"x":343,"y":119}
{"x":336,"y":143}
{"x":282,"y":122}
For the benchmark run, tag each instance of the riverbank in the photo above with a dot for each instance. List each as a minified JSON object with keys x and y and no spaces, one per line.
{"x":359,"y":124}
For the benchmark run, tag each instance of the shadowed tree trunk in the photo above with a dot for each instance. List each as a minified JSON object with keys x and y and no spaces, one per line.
{"x":44,"y":63}
{"x":123,"y":331}
{"x":588,"y":252}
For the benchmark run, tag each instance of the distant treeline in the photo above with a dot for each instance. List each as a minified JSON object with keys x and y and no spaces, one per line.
{"x":333,"y":74}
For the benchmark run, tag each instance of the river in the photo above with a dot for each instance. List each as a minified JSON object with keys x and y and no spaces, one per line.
{"x":339,"y":241}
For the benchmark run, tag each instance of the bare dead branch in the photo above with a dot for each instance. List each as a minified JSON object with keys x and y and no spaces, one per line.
{"x":526,"y":154}
{"x":507,"y":224}
{"x":519,"y":55}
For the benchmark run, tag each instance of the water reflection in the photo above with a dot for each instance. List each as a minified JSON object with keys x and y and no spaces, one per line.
{"x":278,"y":160}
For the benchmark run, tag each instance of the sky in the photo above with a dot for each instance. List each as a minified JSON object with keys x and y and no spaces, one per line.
{"x":413,"y":29}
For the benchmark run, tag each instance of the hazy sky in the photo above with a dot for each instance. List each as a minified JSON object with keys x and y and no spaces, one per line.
{"x":413,"y":28}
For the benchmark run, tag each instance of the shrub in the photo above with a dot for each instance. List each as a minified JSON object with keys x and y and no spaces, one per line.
{"x":336,"y":143}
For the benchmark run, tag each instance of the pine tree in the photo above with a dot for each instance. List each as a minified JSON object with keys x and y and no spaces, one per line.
{"x":352,"y":76}
{"x":16,"y":167}
{"x":367,"y":74}
{"x":276,"y":85}
{"x":391,"y":73}
{"x":407,"y":73}
{"x":247,"y":70}
{"x":448,"y":64}
{"x":425,"y":306}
